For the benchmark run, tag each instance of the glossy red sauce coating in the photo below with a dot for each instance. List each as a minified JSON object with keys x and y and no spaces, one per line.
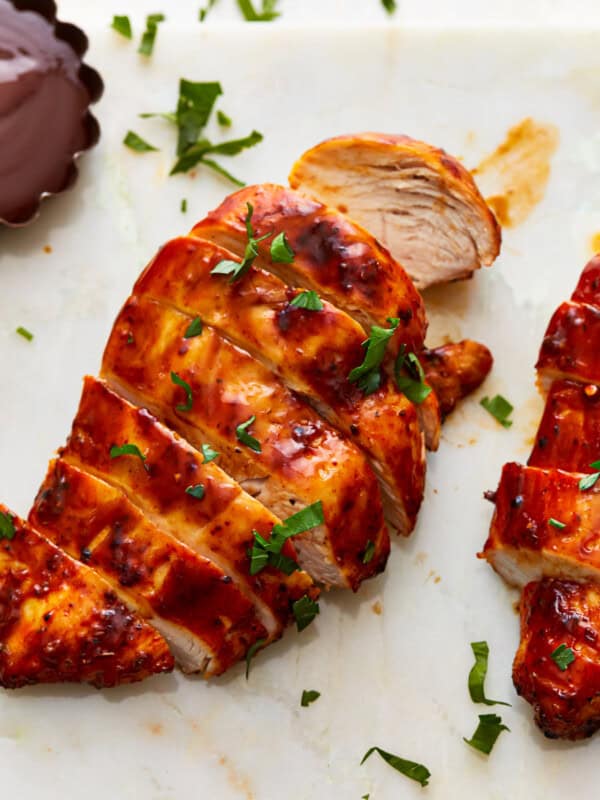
{"x":572,"y":342}
{"x":60,"y":622}
{"x":588,"y":287}
{"x":454,"y":370}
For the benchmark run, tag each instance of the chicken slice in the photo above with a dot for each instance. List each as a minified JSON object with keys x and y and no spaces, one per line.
{"x":563,"y":616}
{"x":301,"y":460}
{"x":454,"y":370}
{"x":588,"y":287}
{"x":219,"y":526}
{"x":568,"y":437}
{"x":311,"y":351}
{"x":571,"y":345}
{"x":332,"y":256}
{"x":417,"y":200}
{"x":60,"y":621}
{"x":544,"y":525}
{"x":206,"y":620}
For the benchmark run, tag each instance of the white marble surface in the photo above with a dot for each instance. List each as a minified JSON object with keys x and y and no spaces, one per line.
{"x":397,"y":679}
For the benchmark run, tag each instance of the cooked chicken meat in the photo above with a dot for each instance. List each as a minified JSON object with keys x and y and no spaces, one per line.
{"x":454,"y":370}
{"x":208,"y":623}
{"x":559,"y":616}
{"x":418,"y":201}
{"x":60,"y":621}
{"x":571,"y":345}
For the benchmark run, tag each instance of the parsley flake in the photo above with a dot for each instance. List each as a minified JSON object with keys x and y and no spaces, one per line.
{"x":412,"y":382}
{"x":304,"y":610}
{"x":239,"y":268}
{"x":369,"y":552}
{"x":208,"y":453}
{"x":562,"y":656}
{"x":245,"y":438}
{"x":193,"y":329}
{"x":281,"y":252}
{"x":148,"y":37}
{"x":187,"y":406}
{"x":135,"y":142}
{"x":266,"y":14}
{"x":7,"y":526}
{"x":195,"y":153}
{"x":413,"y":770}
{"x":122,"y":25}
{"x":223,"y":119}
{"x":309,"y":300}
{"x":590,"y":480}
{"x":196,"y":491}
{"x":389,"y":5}
{"x":252,"y":651}
{"x":557,"y":524}
{"x":499,"y":408}
{"x":25,"y":333}
{"x":477,"y":675}
{"x":367,"y":375}
{"x":309,"y":696}
{"x":268,"y":551}
{"x":489,"y":729}
{"x":127,"y":449}
{"x":183,"y":206}
{"x":204,"y":11}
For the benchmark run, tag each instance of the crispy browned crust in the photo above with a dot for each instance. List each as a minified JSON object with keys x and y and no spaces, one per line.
{"x":59,"y":621}
{"x":455,"y":370}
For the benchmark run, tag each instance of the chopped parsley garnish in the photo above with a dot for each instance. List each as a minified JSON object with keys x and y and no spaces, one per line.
{"x":127,"y":449}
{"x":193,"y":329}
{"x":368,"y":375}
{"x":25,"y":333}
{"x":369,"y":552}
{"x":196,"y":491}
{"x":244,"y":437}
{"x":499,"y":408}
{"x":477,"y":675}
{"x":204,"y":11}
{"x":195,"y":153}
{"x":266,"y":14}
{"x":489,"y":729}
{"x":122,"y":25}
{"x":309,"y":696}
{"x":7,"y":526}
{"x":281,"y":252}
{"x":412,"y":383}
{"x":412,"y":770}
{"x":135,"y":142}
{"x":239,"y":268}
{"x":268,"y":551}
{"x":208,"y":453}
{"x":252,"y":651}
{"x":562,"y":657}
{"x":183,"y":206}
{"x":148,"y":37}
{"x":187,"y":406}
{"x":389,"y":5}
{"x":223,"y":119}
{"x":557,"y":524}
{"x":309,"y":300}
{"x":305,"y":610}
{"x":130,"y":339}
{"x":590,"y":480}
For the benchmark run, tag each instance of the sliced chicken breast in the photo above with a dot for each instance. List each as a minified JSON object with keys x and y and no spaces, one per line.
{"x":588,"y":286}
{"x":293,"y":458}
{"x":60,"y":621}
{"x":206,"y":620}
{"x":454,"y":370}
{"x":571,"y":345}
{"x":560,"y":615}
{"x":332,"y":256}
{"x":313,"y":353}
{"x":544,"y":525}
{"x":417,"y":200}
{"x":219,"y":525}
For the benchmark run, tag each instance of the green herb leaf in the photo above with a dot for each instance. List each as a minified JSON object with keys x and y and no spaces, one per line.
{"x":489,"y":729}
{"x":590,"y":480}
{"x":268,"y":551}
{"x":223,"y":119}
{"x":183,"y":205}
{"x":127,"y":450}
{"x":562,"y":657}
{"x":389,"y":5}
{"x":367,"y":375}
{"x":305,"y":610}
{"x":194,"y":107}
{"x":412,"y":770}
{"x":169,"y":116}
{"x":238,"y":268}
{"x":477,"y":675}
{"x":499,"y":408}
{"x":148,"y":37}
{"x":309,"y":300}
{"x":196,"y":491}
{"x":208,"y":162}
{"x":188,"y":392}
{"x":252,"y":651}
{"x":281,"y":252}
{"x":130,"y":339}
{"x":267,"y":13}
{"x":193,"y":329}
{"x":135,"y":142}
{"x":208,"y":453}
{"x":412,"y":382}
{"x":195,"y":153}
{"x":204,"y":11}
{"x":122,"y":25}
{"x":369,"y":552}
{"x":244,"y":437}
{"x":7,"y":526}
{"x":556,"y":524}
{"x":25,"y":333}
{"x":309,"y":696}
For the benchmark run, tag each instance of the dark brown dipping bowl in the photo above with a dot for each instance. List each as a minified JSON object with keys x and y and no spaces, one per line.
{"x":45,"y":94}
